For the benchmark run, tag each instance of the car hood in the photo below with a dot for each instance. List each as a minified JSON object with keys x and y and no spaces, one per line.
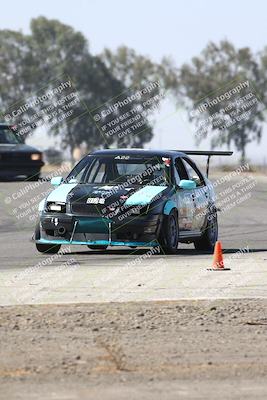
{"x":106,"y":195}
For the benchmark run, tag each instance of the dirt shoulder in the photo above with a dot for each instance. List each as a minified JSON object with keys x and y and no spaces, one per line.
{"x":135,"y":350}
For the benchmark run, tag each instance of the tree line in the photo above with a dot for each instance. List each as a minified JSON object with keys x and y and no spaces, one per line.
{"x":53,"y":49}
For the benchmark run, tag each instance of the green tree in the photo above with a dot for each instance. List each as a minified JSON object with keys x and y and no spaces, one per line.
{"x":16,"y":63}
{"x":52,"y":50}
{"x":136,"y":70}
{"x":217,"y":69}
{"x":61,"y":50}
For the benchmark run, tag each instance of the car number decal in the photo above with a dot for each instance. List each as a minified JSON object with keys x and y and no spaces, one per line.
{"x":95,"y":200}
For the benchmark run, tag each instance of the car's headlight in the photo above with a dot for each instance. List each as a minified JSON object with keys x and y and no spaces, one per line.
{"x":36,"y":156}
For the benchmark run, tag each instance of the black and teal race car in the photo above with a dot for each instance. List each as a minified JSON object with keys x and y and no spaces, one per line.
{"x":130,"y":197}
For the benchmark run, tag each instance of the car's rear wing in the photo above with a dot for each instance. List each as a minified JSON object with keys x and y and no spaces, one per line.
{"x":208,"y":153}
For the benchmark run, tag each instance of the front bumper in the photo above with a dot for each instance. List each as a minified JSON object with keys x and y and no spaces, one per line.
{"x":67,"y":229}
{"x":20,"y":169}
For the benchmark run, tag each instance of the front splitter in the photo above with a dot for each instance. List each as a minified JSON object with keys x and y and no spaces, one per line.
{"x":100,"y":243}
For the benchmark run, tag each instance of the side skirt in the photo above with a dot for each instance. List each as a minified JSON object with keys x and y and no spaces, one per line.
{"x":189,"y":236}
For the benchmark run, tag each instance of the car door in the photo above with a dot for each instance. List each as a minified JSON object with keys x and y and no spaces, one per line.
{"x":200,"y":194}
{"x":184,"y":198}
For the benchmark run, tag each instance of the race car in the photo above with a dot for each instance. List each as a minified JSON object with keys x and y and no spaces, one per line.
{"x":130,"y":197}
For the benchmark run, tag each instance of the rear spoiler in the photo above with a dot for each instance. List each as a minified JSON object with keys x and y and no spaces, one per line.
{"x":208,"y":153}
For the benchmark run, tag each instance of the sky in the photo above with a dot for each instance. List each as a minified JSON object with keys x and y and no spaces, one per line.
{"x":156,"y":28}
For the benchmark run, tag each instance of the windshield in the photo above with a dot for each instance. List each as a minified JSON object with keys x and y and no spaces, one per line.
{"x":114,"y":170}
{"x":8,"y":137}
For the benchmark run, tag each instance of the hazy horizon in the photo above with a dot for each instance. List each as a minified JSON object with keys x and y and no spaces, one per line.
{"x":156,"y":29}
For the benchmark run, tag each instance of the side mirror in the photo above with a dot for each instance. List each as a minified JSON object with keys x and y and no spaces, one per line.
{"x":187,"y":184}
{"x":56,"y":181}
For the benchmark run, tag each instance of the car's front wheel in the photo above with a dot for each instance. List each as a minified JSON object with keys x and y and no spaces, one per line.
{"x":45,"y":248}
{"x":170,"y":233}
{"x":210,"y":235}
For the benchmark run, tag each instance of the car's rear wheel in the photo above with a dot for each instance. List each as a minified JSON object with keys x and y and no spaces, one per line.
{"x":97,"y":247}
{"x":210,"y":235}
{"x":170,"y":233}
{"x":45,"y":248}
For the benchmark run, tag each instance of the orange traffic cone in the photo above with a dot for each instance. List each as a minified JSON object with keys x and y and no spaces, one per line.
{"x":218,"y":263}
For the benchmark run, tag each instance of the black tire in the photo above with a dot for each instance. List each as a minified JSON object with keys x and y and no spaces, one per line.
{"x":45,"y":248}
{"x":170,"y":233}
{"x":210,"y":235}
{"x":97,"y":247}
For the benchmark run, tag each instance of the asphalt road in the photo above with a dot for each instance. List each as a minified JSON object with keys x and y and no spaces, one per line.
{"x":116,"y":342}
{"x":120,"y":274}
